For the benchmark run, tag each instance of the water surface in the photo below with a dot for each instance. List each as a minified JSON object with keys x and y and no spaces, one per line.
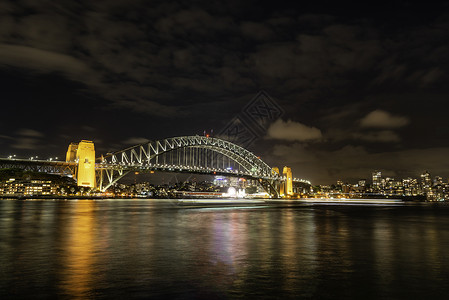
{"x":181,"y":250}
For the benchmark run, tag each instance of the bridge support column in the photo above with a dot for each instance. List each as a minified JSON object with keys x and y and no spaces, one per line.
{"x":288,"y":183}
{"x":270,"y":186}
{"x":84,"y":154}
{"x":285,"y":187}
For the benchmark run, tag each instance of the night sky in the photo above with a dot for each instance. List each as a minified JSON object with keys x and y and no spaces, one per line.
{"x":359,"y":87}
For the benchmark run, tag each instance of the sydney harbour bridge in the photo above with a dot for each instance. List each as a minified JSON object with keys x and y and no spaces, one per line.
{"x":185,"y":154}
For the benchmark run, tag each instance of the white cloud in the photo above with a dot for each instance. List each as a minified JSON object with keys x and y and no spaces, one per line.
{"x":383,"y":119}
{"x":292,"y":131}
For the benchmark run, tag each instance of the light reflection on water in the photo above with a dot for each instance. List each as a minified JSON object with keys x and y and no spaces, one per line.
{"x":153,"y":248}
{"x":78,"y":253}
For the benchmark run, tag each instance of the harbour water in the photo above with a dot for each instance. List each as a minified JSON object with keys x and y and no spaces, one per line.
{"x":153,"y":249}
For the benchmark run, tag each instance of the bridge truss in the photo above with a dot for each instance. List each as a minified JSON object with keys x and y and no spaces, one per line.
{"x":44,"y":166}
{"x":190,"y":154}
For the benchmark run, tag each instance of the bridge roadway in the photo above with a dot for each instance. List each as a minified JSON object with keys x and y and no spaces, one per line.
{"x":39,"y":165}
{"x":64,"y":168}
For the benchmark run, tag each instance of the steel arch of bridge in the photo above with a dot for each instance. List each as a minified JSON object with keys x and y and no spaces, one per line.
{"x":146,"y":157}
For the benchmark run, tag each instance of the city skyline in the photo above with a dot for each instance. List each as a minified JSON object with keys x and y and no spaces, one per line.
{"x":358,"y":89}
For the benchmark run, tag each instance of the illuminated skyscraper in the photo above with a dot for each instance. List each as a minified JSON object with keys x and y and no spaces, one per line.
{"x":438,"y":180}
{"x":426,"y":180}
{"x":377,"y":180}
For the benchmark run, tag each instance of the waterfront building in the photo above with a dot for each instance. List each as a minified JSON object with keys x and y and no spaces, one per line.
{"x":14,"y":187}
{"x":221,"y":181}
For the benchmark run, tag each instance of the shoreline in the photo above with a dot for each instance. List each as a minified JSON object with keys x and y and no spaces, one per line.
{"x":316,"y":200}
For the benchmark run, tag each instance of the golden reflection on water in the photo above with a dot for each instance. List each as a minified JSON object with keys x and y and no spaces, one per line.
{"x":79,"y":256}
{"x":288,"y":248}
{"x":383,"y":250}
{"x":146,"y":249}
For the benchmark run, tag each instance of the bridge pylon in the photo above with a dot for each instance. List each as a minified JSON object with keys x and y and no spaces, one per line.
{"x":83,"y":153}
{"x":285,"y":186}
{"x":288,"y":183}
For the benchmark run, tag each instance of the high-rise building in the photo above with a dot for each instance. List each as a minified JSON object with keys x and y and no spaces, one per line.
{"x":377,"y":180}
{"x":438,"y":180}
{"x":361,"y":186}
{"x":426,"y":180}
{"x":221,"y":181}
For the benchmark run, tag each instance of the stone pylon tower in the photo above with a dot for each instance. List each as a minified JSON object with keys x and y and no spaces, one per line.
{"x":83,"y":153}
{"x":288,"y":185}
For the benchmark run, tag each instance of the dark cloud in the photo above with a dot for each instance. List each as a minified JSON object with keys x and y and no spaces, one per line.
{"x":135,"y":141}
{"x":197,"y":22}
{"x":28,"y":139}
{"x":43,"y":61}
{"x":258,"y":31}
{"x":5,"y":137}
{"x":27,"y":143}
{"x":29,"y":132}
{"x":367,"y":78}
{"x":383,"y":136}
